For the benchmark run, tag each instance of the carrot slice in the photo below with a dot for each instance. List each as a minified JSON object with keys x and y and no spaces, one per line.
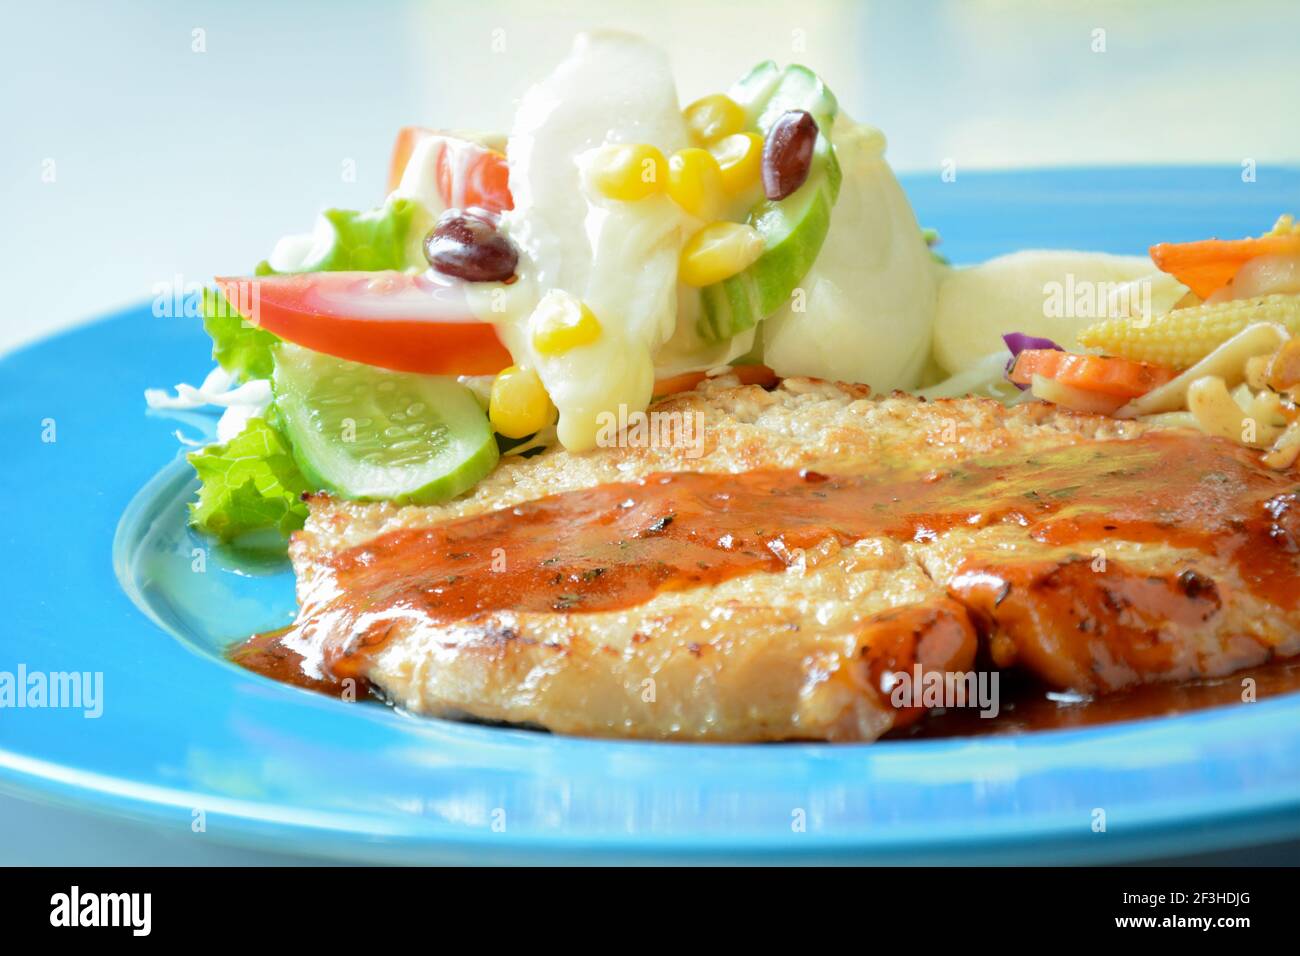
{"x":1117,"y":377}
{"x":748,"y":375}
{"x":1208,"y":265}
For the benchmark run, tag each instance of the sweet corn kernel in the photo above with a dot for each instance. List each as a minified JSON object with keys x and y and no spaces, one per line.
{"x":740,"y":158}
{"x":712,"y":117}
{"x":695,"y":182}
{"x":627,"y":171}
{"x":561,"y":323}
{"x":519,"y":405}
{"x":717,"y":252}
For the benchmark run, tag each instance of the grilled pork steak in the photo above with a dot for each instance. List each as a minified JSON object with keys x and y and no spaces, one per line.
{"x":771,"y":581}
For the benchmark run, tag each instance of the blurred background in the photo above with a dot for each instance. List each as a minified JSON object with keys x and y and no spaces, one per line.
{"x":145,"y":140}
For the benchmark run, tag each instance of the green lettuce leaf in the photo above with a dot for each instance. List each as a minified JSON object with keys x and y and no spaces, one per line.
{"x":250,"y":483}
{"x":385,"y":238}
{"x":237,"y":346}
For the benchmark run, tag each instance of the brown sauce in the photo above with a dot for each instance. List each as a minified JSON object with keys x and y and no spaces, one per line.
{"x":1029,"y":706}
{"x":617,"y":545}
{"x":267,"y":654}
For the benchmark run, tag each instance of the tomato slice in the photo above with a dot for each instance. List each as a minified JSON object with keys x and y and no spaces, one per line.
{"x":408,"y":323}
{"x":470,"y":175}
{"x":1116,"y":377}
{"x":467,"y":174}
{"x":403,"y":146}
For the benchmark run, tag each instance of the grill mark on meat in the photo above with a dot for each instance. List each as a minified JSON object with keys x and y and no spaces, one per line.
{"x":609,"y":557}
{"x":1033,"y":600}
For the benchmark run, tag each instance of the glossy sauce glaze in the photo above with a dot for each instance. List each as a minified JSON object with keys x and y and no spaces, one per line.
{"x":1029,"y":706}
{"x":617,"y":545}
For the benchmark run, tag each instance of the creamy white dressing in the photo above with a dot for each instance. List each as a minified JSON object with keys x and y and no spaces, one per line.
{"x":420,"y":178}
{"x":391,"y":297}
{"x":619,"y":258}
{"x":292,"y":253}
{"x":866,"y":309}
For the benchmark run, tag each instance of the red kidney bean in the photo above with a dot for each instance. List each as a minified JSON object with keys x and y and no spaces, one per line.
{"x":787,"y":153}
{"x":468,"y":246}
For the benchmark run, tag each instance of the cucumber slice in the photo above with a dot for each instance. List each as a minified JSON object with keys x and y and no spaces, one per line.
{"x":794,"y":228}
{"x":367,"y":433}
{"x":767,"y":91}
{"x":793,"y":231}
{"x":799,"y":89}
{"x":754,"y":89}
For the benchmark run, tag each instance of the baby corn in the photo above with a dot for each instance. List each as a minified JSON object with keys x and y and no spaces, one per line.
{"x":1183,"y":337}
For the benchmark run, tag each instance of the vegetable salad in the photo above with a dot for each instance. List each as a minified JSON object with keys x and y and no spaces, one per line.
{"x":523,"y":289}
{"x":519,"y":290}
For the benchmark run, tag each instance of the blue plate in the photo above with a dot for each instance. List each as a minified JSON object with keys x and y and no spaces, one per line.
{"x":101,"y":576}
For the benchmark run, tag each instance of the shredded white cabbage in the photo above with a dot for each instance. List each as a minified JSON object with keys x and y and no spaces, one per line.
{"x":985,"y":377}
{"x":241,"y":402}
